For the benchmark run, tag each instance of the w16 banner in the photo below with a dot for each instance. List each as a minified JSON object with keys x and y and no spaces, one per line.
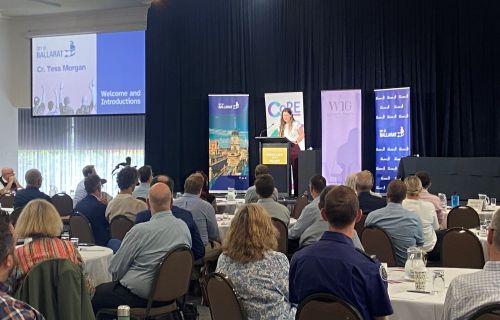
{"x":275,"y":103}
{"x":228,"y":142}
{"x":392,"y":114}
{"x":341,"y":134}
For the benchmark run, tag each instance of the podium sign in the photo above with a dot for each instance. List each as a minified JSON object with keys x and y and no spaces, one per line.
{"x":275,"y":154}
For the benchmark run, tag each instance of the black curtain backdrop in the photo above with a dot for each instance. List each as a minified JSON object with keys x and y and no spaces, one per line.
{"x":447,"y":51}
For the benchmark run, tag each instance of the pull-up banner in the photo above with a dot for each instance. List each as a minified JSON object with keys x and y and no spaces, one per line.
{"x":341,"y":134}
{"x":392,"y":129}
{"x":228,"y":142}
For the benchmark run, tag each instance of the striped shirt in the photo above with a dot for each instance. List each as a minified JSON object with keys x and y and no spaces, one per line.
{"x":13,"y":309}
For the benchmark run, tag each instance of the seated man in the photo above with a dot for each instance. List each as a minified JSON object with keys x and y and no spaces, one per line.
{"x":145,"y":177}
{"x":34,"y":180}
{"x":11,"y":308}
{"x":134,"y":266}
{"x":251,"y":194}
{"x":203,"y":214}
{"x":367,"y":201}
{"x":197,"y":248}
{"x":9,"y":181}
{"x":333,"y":264}
{"x":80,"y":192}
{"x":94,"y":209}
{"x":124,"y":203}
{"x":264,"y":185}
{"x":468,"y":292}
{"x":426,"y":196}
{"x":403,"y":226}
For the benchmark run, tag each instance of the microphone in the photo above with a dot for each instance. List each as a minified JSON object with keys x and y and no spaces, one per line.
{"x":265,"y":130}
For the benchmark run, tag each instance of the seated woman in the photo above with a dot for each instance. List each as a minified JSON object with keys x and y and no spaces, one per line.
{"x":259,"y":274}
{"x":40,"y":221}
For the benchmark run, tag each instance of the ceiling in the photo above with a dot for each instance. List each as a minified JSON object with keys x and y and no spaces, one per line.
{"x":17,"y":8}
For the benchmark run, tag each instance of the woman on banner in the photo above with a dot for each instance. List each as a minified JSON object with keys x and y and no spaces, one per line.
{"x":293,"y":131}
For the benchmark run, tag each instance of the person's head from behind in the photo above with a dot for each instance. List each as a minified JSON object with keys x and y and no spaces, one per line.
{"x":50,"y":105}
{"x":7,"y":247}
{"x":163,"y":179}
{"x":88,"y":171}
{"x":316,"y":184}
{"x":250,"y":235}
{"x":260,"y":170}
{"x":396,"y":191}
{"x":39,"y":218}
{"x":67,"y":101}
{"x":425,"y":178}
{"x":494,"y":237}
{"x":127,"y":179}
{"x":341,"y":208}
{"x":264,"y":186}
{"x":93,"y":185}
{"x":33,"y":178}
{"x":194,"y":184}
{"x":413,"y":186}
{"x":160,"y":198}
{"x":204,"y":189}
{"x":322,"y":196}
{"x":350,"y":181}
{"x":364,"y":181}
{"x":145,"y":174}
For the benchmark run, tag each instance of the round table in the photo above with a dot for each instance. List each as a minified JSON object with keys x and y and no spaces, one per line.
{"x":228,"y":206}
{"x":419,"y":306}
{"x":96,"y":262}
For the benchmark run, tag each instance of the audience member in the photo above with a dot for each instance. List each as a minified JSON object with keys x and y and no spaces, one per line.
{"x":264,"y":186}
{"x":197,"y":248}
{"x":124,"y":203}
{"x":251,"y":194}
{"x":469,"y":292}
{"x":423,"y":209}
{"x":145,"y":177}
{"x":80,"y":192}
{"x":403,"y":226}
{"x":426,"y":196}
{"x":9,"y":181}
{"x":258,"y":272}
{"x":333,"y":265}
{"x":94,"y":210}
{"x":367,"y":201}
{"x":135,"y":264}
{"x":350,"y":181}
{"x":11,"y":308}
{"x":33,"y":179}
{"x":205,"y":193}
{"x":203,"y":214}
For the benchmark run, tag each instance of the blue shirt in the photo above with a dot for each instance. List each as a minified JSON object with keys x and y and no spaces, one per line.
{"x":26,"y":195}
{"x":403,"y":226}
{"x":203,"y":215}
{"x":198,"y":248}
{"x":143,"y":247}
{"x":333,"y":265}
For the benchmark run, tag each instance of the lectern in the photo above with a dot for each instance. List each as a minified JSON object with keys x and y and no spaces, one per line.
{"x":275,"y":154}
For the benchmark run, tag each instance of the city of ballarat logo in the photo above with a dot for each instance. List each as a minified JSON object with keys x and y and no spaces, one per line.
{"x":44,"y":53}
{"x":383,"y":273}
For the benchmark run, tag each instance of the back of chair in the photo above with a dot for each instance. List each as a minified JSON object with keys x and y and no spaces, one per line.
{"x":79,"y":227}
{"x":463,"y":217}
{"x":299,"y":205}
{"x":326,"y":306}
{"x":282,"y":235}
{"x":63,"y":204}
{"x":119,"y":226}
{"x":487,"y":312}
{"x":7,"y":200}
{"x":224,"y":300}
{"x":376,"y":242}
{"x":461,"y":248}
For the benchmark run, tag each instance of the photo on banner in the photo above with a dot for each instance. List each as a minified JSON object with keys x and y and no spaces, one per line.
{"x":275,"y":103}
{"x":228,"y":142}
{"x":392,"y":130}
{"x":340,"y":134}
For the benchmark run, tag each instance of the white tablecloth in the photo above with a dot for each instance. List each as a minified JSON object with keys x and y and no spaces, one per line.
{"x":419,"y":306}
{"x":229,"y":207}
{"x":96,"y":263}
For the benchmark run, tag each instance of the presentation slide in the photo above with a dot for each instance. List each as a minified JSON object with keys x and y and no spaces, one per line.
{"x":89,"y":74}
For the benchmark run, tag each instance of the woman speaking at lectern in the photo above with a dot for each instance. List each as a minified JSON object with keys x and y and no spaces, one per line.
{"x":293,"y":131}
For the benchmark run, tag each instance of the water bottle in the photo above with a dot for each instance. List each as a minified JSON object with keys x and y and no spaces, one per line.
{"x":123,"y":312}
{"x":455,"y":200}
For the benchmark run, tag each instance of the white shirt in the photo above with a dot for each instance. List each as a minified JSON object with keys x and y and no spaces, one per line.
{"x":293,"y":133}
{"x":80,"y":193}
{"x":427,"y":215}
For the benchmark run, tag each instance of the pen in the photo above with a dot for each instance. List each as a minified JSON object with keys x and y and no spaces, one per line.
{"x":416,"y":291}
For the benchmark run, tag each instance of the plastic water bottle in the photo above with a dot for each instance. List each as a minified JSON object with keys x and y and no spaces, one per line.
{"x":123,"y":312}
{"x":455,"y":200}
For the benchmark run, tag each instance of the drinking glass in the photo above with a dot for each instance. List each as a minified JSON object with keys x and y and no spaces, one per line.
{"x":493,"y":202}
{"x":74,"y":241}
{"x":438,"y":283}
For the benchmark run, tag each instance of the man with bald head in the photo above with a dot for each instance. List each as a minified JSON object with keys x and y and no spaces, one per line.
{"x":34,"y":180}
{"x":367,"y":201}
{"x":9,"y":181}
{"x":144,"y":246}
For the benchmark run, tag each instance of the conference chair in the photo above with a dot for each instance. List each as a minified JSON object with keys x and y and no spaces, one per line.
{"x":282,"y":235}
{"x":487,"y":312}
{"x":377,"y":242}
{"x":79,"y":227}
{"x":326,"y":306}
{"x":224,"y":300}
{"x":461,"y":248}
{"x":63,"y":204}
{"x":142,"y":199}
{"x":119,"y":226}
{"x":299,"y":205}
{"x":463,"y":217}
{"x":7,"y":200}
{"x":171,"y":283}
